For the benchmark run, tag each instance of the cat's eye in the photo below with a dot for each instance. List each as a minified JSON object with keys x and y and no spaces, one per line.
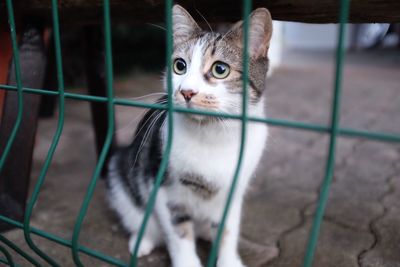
{"x":179,"y":66}
{"x":220,"y":70}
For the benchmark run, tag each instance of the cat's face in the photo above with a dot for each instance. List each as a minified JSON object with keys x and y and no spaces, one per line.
{"x":207,"y":67}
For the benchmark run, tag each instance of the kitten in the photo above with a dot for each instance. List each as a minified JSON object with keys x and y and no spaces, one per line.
{"x":207,"y":74}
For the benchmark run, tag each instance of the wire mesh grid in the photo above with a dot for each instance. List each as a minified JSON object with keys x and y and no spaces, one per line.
{"x":76,"y":249}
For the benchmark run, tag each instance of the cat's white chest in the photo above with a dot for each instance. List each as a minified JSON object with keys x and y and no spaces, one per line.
{"x":211,"y":162}
{"x":213,"y":154}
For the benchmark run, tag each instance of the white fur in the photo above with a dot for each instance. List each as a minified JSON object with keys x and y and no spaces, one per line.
{"x":191,"y":79}
{"x":131,"y":216}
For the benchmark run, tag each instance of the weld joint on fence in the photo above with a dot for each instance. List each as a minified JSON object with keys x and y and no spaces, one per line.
{"x":19,"y":251}
{"x":8,"y":258}
{"x":63,"y":242}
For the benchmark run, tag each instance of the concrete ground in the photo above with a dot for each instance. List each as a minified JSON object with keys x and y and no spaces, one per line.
{"x":361,"y":224}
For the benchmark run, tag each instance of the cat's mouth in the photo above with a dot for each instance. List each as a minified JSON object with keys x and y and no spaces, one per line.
{"x":200,"y":101}
{"x":196,"y":106}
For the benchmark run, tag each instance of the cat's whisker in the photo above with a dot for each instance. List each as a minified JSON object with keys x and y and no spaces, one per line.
{"x":153,"y":120}
{"x":222,"y":122}
{"x":163,"y":124}
{"x":226,"y":34}
{"x":144,"y":125}
{"x":151,"y":126}
{"x":144,"y":140}
{"x":144,"y":96}
{"x":147,"y":134}
{"x":129,"y":125}
{"x":160,"y":101}
{"x":201,"y":15}
{"x":157,"y":26}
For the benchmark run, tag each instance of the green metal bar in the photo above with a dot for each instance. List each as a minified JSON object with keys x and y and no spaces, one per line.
{"x":66,"y":243}
{"x":378,"y":136}
{"x":347,"y":132}
{"x":56,"y":138}
{"x":19,"y":251}
{"x":9,"y":260}
{"x":11,"y":22}
{"x":164,"y":161}
{"x":83,"y":97}
{"x":215,"y":246}
{"x":2,"y":260}
{"x":107,"y":142}
{"x":330,"y":165}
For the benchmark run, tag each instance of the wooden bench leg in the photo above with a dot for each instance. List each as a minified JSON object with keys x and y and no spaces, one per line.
{"x":48,"y":103}
{"x":14,"y":178}
{"x":97,"y":85}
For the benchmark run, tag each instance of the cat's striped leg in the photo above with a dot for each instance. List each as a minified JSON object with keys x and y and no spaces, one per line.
{"x":146,"y":245}
{"x":179,"y":233}
{"x":228,"y":251}
{"x":151,"y":239}
{"x":131,"y":216}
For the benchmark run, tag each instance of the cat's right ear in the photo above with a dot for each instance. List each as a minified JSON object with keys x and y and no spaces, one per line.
{"x":260,"y":31}
{"x":183,"y":25}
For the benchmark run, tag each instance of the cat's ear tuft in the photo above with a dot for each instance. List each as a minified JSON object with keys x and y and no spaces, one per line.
{"x":183,"y":25}
{"x":260,"y":32}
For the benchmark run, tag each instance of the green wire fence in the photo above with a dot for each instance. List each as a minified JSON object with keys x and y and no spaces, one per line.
{"x":76,"y":249}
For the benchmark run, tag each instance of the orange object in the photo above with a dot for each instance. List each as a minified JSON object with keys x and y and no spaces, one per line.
{"x":5,"y":57}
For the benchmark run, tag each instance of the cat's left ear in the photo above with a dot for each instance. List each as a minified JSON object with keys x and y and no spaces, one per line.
{"x":183,"y":25}
{"x":260,"y":32}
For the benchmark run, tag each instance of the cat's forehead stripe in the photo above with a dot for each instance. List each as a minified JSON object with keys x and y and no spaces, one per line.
{"x":197,"y":55}
{"x":211,"y":39}
{"x":216,"y":40}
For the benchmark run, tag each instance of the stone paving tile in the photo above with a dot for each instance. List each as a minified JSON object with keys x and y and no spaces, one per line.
{"x":364,"y":174}
{"x":392,"y":199}
{"x":370,"y":98}
{"x":355,"y":212}
{"x":337,"y":246}
{"x":385,"y":252}
{"x":266,"y":216}
{"x":287,"y":87}
{"x":371,"y":162}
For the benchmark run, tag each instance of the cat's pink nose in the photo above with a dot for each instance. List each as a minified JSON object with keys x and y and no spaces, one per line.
{"x":188,"y":94}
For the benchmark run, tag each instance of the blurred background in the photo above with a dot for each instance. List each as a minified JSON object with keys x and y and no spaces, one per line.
{"x":141,"y":48}
{"x":363,"y":214}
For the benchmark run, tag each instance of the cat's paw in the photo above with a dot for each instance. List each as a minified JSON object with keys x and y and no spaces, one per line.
{"x":185,"y":261}
{"x":145,"y":248}
{"x":230,"y":262}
